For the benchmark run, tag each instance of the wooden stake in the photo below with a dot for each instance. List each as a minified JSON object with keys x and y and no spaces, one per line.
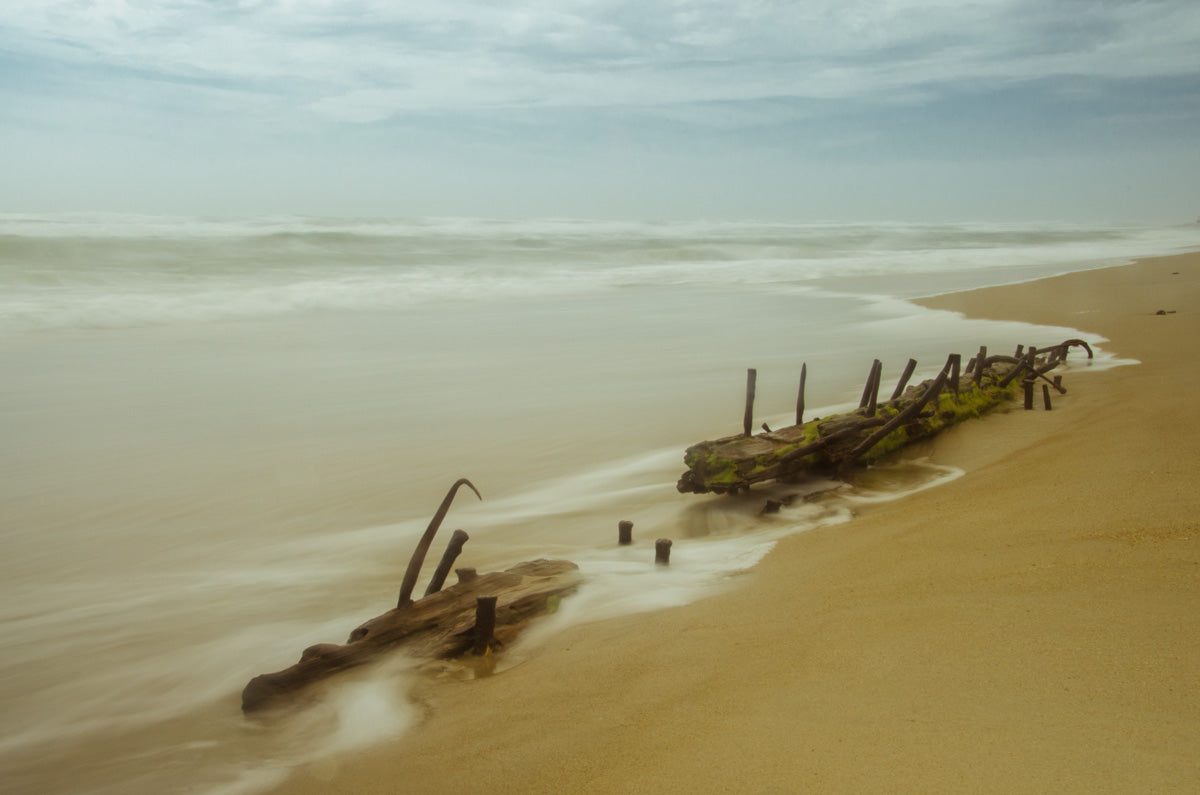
{"x":1046,"y":396}
{"x":873,"y":398}
{"x":903,"y":382}
{"x":982,"y":359}
{"x":748,"y":419}
{"x":1028,"y":394}
{"x":485,"y":623}
{"x":866,"y":395}
{"x":624,"y":532}
{"x":662,"y":552}
{"x":453,"y":550}
{"x":800,"y":394}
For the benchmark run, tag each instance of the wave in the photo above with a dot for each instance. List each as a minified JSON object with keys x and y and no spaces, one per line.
{"x":114,"y":271}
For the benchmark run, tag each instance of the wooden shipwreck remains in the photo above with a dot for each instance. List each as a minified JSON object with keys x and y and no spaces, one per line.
{"x":831,"y":446}
{"x":478,"y":613}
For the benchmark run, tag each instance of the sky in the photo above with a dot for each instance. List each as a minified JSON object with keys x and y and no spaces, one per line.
{"x":801,"y":110}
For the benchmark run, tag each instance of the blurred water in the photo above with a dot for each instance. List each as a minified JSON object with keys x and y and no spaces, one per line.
{"x":222,"y":437}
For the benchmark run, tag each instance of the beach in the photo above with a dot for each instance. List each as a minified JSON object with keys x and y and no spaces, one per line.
{"x":1028,"y":627}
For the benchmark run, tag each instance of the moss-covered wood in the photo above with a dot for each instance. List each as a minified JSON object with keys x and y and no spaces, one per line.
{"x":827,"y":447}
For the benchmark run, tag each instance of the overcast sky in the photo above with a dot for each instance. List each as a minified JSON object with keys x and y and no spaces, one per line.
{"x":804,"y":110}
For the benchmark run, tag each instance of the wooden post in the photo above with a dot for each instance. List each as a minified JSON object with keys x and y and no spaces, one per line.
{"x":800,"y":394}
{"x":453,"y":550}
{"x":1020,"y":352}
{"x":1046,"y":396}
{"x":979,"y":367}
{"x":748,"y":420}
{"x":903,"y":382}
{"x":1058,"y":384}
{"x":955,"y":362}
{"x":873,"y":398}
{"x":1028,"y":384}
{"x":624,"y":532}
{"x":866,"y":395}
{"x":485,"y":623}
{"x":662,"y":551}
{"x":466,"y":574}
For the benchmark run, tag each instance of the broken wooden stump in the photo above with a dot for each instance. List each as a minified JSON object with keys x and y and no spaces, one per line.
{"x":624,"y":532}
{"x":442,"y":625}
{"x":485,"y":624}
{"x":662,"y":551}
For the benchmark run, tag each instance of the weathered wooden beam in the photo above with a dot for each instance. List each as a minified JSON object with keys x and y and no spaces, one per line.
{"x":439,"y":626}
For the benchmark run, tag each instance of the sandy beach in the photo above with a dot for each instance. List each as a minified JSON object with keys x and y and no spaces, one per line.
{"x":1030,"y":627}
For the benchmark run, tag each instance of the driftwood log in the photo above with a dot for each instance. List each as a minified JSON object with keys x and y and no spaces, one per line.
{"x":441,"y":625}
{"x":831,"y":446}
{"x":479,"y":612}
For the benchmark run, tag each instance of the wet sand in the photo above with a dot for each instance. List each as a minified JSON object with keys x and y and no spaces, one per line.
{"x":1030,"y":627}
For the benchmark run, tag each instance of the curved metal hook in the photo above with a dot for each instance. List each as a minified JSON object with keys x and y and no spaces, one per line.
{"x":418,"y":557}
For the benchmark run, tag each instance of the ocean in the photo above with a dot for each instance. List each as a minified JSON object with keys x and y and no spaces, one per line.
{"x":222,"y":437}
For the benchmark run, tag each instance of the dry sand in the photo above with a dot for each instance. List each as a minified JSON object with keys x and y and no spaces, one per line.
{"x":1030,"y":627}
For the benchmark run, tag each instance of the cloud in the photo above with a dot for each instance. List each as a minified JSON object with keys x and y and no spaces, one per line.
{"x":363,"y":61}
{"x":579,"y":91}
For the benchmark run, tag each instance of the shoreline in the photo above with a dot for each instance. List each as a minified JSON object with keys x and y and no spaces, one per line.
{"x":1023,"y":628}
